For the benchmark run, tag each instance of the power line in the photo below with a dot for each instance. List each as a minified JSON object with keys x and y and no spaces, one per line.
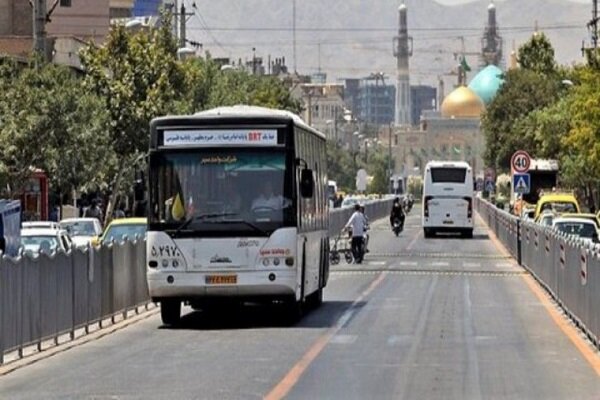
{"x":206,"y":28}
{"x":378,"y":29}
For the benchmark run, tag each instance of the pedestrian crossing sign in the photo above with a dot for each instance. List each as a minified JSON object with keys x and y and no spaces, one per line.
{"x":521,"y":183}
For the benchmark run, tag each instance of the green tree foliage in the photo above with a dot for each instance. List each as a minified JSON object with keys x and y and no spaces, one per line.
{"x":49,"y":122}
{"x":341,"y":167}
{"x":537,"y":55}
{"x":377,"y":167}
{"x":505,"y":123}
{"x":138,"y":77}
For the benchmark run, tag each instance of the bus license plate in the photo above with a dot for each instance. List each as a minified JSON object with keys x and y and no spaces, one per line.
{"x":221,"y":279}
{"x":448,"y":222}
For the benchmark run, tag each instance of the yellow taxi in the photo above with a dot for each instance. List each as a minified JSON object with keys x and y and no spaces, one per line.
{"x":122,"y":228}
{"x":559,"y":203}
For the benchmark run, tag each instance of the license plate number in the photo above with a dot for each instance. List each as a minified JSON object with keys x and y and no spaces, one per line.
{"x":448,"y":222}
{"x":221,"y":279}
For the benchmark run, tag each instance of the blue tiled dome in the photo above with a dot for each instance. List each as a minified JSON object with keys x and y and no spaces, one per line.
{"x":486,"y":83}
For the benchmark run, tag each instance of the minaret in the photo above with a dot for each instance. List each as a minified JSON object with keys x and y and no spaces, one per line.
{"x":491,"y":43}
{"x":402,"y":52}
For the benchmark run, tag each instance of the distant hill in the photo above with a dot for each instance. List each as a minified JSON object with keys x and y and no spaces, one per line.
{"x":356,"y":53}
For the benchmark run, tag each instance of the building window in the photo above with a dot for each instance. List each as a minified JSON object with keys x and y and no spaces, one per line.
{"x":65,"y":3}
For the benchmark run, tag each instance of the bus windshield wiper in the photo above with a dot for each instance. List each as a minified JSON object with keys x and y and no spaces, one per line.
{"x":201,"y":217}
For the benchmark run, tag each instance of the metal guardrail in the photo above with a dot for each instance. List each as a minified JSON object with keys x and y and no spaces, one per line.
{"x":374,"y":210}
{"x":566,"y":266}
{"x":46,"y":297}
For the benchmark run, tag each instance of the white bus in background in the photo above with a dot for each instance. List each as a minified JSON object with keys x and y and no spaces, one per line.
{"x":448,"y":198}
{"x":237,"y":210}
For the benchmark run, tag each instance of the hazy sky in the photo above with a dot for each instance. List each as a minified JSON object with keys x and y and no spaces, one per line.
{"x":455,"y":2}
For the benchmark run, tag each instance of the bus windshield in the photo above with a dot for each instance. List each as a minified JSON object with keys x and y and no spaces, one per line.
{"x":448,"y":175}
{"x":219,"y":190}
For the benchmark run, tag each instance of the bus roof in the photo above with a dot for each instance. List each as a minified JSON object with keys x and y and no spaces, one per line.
{"x":245,"y":111}
{"x":455,"y":164}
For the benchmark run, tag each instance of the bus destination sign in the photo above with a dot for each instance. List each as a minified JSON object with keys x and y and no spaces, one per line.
{"x":221,"y":137}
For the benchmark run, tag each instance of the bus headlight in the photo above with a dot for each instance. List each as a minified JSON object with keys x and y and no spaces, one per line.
{"x":265,"y":262}
{"x":289,"y":261}
{"x":276,"y":262}
{"x":165,"y":263}
{"x":175,"y":263}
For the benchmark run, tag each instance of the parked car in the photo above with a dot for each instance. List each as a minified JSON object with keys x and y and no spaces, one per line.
{"x":559,"y":203}
{"x":546,"y":218}
{"x":40,"y":225}
{"x":122,"y":228}
{"x":583,"y":228}
{"x":82,"y":230}
{"x":35,"y":240}
{"x":591,"y":217}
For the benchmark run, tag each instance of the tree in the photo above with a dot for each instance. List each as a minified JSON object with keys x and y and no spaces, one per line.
{"x":138,"y":78}
{"x":537,"y":55}
{"x":51,"y":123}
{"x":580,"y":161}
{"x":504,"y":122}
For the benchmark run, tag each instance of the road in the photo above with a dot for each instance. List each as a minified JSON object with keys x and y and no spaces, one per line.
{"x":443,"y":318}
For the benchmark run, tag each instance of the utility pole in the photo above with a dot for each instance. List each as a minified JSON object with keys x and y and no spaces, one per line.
{"x":294,"y":32}
{"x":182,"y":25}
{"x":592,"y":26}
{"x":39,"y":27}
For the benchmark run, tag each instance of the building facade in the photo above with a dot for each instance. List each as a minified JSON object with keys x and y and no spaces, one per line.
{"x":375,"y":102}
{"x":423,"y":98}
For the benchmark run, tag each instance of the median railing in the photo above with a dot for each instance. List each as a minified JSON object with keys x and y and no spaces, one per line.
{"x":47,"y":298}
{"x":566,"y":266}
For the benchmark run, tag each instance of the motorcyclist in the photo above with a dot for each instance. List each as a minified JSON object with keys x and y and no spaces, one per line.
{"x":397,"y":213}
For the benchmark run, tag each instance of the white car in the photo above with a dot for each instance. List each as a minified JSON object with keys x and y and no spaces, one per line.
{"x":36,"y":240}
{"x":351,"y":201}
{"x":583,"y":228}
{"x":82,"y":230}
{"x":39,"y":225}
{"x":546,"y":218}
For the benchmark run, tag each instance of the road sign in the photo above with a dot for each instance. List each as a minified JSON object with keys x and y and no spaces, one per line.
{"x":521,"y":183}
{"x":490,"y":187}
{"x":520,"y":162}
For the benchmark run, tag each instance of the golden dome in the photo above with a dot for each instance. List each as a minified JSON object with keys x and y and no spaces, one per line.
{"x":462,"y":102}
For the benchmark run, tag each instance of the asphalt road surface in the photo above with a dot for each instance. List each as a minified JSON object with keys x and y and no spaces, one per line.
{"x":443,"y":318}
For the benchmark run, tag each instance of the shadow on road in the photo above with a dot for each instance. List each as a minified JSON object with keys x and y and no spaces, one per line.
{"x":253,"y":316}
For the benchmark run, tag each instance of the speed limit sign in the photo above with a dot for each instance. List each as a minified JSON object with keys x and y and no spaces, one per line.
{"x":520,"y":162}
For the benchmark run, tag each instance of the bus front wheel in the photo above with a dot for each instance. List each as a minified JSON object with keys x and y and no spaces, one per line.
{"x":314,"y":300}
{"x":170,"y":311}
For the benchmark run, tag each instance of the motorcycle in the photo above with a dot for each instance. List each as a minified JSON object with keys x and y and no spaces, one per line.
{"x":397,"y":226}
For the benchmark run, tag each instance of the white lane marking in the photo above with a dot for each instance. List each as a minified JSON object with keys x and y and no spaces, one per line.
{"x":440,"y":264}
{"x":376,"y":263}
{"x":503,"y":265}
{"x":471,"y":264}
{"x":408,"y":263}
{"x":343,"y":339}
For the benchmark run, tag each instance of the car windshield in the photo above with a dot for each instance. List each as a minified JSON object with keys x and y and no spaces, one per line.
{"x":219,"y":190}
{"x":79,"y":228}
{"x":35,"y":244}
{"x":118,"y":233}
{"x":560,"y":207}
{"x":581,"y":229}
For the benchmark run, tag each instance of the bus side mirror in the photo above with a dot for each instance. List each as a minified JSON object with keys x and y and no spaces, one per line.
{"x":307,"y":183}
